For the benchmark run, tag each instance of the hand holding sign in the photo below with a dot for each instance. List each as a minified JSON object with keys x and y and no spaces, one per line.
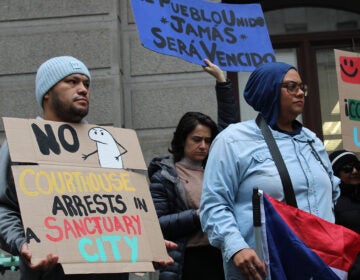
{"x":46,"y":264}
{"x":214,"y":71}
{"x":105,"y":215}
{"x":169,"y":245}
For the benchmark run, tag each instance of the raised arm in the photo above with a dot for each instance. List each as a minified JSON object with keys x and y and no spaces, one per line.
{"x":228,"y":107}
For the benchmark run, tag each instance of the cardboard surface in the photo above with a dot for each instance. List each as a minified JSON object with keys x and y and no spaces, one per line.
{"x":96,"y":216}
{"x":42,"y":142}
{"x":348,"y":77}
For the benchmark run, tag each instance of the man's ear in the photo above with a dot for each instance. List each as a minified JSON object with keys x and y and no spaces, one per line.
{"x":46,"y":96}
{"x":45,"y":99}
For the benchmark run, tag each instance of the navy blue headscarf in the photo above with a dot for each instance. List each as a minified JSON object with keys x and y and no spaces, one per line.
{"x":262,"y":91}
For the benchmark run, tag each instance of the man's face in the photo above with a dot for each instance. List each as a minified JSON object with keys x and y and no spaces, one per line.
{"x":68,"y":100}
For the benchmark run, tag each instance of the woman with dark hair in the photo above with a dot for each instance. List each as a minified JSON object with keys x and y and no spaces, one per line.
{"x":187,"y":124}
{"x":176,"y":186}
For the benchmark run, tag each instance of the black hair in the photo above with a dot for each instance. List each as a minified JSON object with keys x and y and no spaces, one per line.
{"x":186,"y":125}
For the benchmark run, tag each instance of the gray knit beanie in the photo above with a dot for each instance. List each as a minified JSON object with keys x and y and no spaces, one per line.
{"x":54,"y":70}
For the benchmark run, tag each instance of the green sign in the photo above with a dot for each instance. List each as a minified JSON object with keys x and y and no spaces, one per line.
{"x":352,"y":109}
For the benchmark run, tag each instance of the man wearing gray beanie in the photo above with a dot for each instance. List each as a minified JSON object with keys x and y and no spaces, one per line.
{"x":64,"y":81}
{"x":62,"y":91}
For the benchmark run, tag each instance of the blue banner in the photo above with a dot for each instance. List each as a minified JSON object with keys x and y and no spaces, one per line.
{"x":234,"y":37}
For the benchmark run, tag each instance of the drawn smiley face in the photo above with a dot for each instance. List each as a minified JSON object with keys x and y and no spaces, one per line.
{"x":349,"y":69}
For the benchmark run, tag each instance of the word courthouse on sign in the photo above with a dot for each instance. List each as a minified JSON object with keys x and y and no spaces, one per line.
{"x":82,"y":197}
{"x":234,"y":37}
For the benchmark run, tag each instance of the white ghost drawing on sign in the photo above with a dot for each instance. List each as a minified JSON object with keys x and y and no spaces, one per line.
{"x":108,"y":149}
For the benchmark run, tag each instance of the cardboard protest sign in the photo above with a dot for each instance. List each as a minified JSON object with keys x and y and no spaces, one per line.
{"x":234,"y":37}
{"x":83,"y":196}
{"x":348,"y":77}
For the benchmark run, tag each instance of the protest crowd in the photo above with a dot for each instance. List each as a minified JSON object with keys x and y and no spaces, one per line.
{"x":231,"y":200}
{"x":210,"y":222}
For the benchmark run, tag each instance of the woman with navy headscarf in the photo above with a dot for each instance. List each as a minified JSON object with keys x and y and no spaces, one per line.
{"x":240,"y":160}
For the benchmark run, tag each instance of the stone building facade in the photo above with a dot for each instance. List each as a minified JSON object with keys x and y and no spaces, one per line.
{"x":132,"y":87}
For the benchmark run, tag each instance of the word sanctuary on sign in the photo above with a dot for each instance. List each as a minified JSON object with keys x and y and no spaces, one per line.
{"x":58,"y":229}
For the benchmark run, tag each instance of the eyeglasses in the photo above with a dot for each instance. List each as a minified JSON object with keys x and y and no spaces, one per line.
{"x":348,"y":168}
{"x":293,"y":87}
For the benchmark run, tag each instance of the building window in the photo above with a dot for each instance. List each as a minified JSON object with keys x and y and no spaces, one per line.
{"x":306,"y":38}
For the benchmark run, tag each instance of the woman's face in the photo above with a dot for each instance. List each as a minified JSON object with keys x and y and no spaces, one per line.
{"x":197,"y":143}
{"x":292,"y":99}
{"x":350,"y":173}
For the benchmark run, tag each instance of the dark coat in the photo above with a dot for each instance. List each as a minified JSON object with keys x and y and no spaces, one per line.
{"x":347,"y":214}
{"x":177,"y":221}
{"x":228,"y":108}
{"x":347,"y":208}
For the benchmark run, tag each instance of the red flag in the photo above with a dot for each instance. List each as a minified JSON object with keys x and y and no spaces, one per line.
{"x":316,"y":241}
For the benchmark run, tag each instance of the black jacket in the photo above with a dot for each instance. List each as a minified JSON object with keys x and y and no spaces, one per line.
{"x":347,"y":214}
{"x":228,"y":108}
{"x":347,"y":208}
{"x":177,"y":221}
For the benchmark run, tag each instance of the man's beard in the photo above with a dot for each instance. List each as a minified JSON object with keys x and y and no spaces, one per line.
{"x":69,"y":112}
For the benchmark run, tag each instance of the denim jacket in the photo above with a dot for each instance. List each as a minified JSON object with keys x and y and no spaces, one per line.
{"x":239,"y":161}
